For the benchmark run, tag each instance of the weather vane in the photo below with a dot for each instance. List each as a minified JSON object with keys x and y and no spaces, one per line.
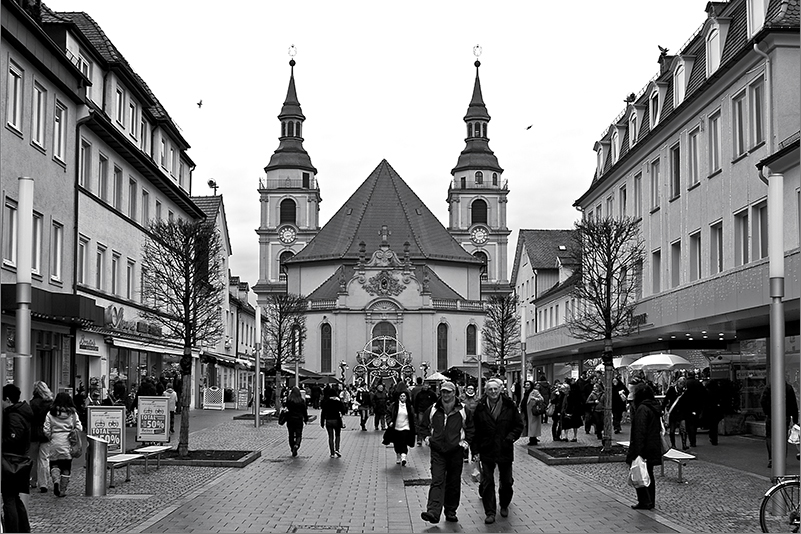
{"x":477,"y":50}
{"x":292,"y":51}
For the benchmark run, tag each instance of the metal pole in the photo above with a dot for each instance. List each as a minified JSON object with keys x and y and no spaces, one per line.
{"x":22,"y":368}
{"x":778,"y":429}
{"x":257,"y":381}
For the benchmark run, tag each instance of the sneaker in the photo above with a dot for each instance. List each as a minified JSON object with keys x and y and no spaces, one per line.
{"x":504,"y":511}
{"x":43,"y":489}
{"x":489,"y":519}
{"x":451,"y":518}
{"x":338,"y":454}
{"x":332,"y":456}
{"x":429,"y":517}
{"x":403,"y":459}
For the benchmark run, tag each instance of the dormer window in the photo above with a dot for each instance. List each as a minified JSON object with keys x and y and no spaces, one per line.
{"x":679,"y":85}
{"x":600,"y":162}
{"x":756,"y":16}
{"x":712,"y":51}
{"x":615,"y":146}
{"x":653,"y":108}
{"x":633,"y":132}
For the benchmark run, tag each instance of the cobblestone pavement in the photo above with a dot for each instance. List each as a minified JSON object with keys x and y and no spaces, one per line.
{"x":365,"y":491}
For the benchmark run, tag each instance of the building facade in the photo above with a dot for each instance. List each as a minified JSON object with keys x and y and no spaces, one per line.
{"x":683,"y":158}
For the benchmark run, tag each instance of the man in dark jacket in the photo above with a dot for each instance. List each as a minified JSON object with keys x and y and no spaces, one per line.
{"x":424,"y":399}
{"x":447,"y":429}
{"x":365,"y":401}
{"x":17,"y":420}
{"x":694,"y":401}
{"x":498,"y":425}
{"x":646,"y":441}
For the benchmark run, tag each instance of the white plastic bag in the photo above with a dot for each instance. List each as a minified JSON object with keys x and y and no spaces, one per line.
{"x":475,"y":473}
{"x":638,"y":474}
{"x":794,"y":433}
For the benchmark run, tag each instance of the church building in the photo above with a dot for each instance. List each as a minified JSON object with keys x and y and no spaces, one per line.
{"x":392,"y":293}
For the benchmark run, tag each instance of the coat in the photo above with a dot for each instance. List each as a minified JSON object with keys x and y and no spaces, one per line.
{"x":532,"y":422}
{"x":446,"y":432}
{"x":390,"y":436}
{"x":380,"y":402}
{"x":57,"y":429}
{"x":17,"y":420}
{"x":332,"y":409}
{"x":296,"y":414}
{"x":573,"y":407}
{"x":646,"y":440}
{"x":494,"y":439}
{"x":40,"y":407}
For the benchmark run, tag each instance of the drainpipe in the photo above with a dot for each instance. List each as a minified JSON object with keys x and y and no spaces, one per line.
{"x":775,"y":183}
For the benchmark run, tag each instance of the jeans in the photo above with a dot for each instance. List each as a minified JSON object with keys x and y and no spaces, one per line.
{"x":332,"y":426}
{"x":40,"y":473}
{"x":295,"y":435}
{"x":446,"y":482}
{"x":364,"y":415}
{"x":15,"y":516}
{"x":400,"y":441}
{"x":505,"y":482}
{"x":381,"y":419}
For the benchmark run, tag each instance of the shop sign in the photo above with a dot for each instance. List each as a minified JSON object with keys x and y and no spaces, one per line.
{"x":87,"y":344}
{"x":107,"y":423}
{"x":719,"y":370}
{"x":753,"y":374}
{"x":152,"y":419}
{"x":242,"y":397}
{"x":66,"y":360}
{"x":115,"y":318}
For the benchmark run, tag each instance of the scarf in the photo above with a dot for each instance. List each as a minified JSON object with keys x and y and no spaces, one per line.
{"x":494,"y":407}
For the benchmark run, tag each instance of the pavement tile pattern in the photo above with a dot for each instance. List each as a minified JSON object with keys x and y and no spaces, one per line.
{"x":364,"y":491}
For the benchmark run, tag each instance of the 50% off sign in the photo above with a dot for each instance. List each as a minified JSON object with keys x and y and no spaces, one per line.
{"x":152,"y":422}
{"x":108,"y":423}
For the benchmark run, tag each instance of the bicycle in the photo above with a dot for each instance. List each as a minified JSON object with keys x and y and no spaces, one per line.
{"x":779,"y":511}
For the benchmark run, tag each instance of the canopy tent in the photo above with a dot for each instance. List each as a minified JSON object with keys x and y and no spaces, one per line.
{"x":290,"y":371}
{"x":436,"y":376}
{"x":324,"y":380}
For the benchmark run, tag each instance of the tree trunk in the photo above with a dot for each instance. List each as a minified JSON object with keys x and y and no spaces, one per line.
{"x":186,"y":400}
{"x":608,"y":370}
{"x":278,"y":388}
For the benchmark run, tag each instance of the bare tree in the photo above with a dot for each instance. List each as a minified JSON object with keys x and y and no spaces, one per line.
{"x":501,"y":331}
{"x":184,"y":290}
{"x":283,"y":333}
{"x":609,"y":255}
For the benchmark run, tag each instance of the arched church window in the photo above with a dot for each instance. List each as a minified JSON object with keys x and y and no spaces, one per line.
{"x":282,"y":259}
{"x":477,"y":129}
{"x":325,"y":348}
{"x":494,"y":178}
{"x":485,"y":129}
{"x":442,"y":347}
{"x":469,"y":129}
{"x":463,"y":182}
{"x":287,"y":211}
{"x":384,"y":328}
{"x":291,"y":129}
{"x":478,"y":211}
{"x":483,"y":257}
{"x":471,"y":340}
{"x":283,"y":129}
{"x":479,"y":177}
{"x":297,"y":129}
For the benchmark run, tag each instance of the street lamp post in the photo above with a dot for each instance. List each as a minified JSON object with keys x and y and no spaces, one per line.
{"x":343,"y":366}
{"x":424,"y":367}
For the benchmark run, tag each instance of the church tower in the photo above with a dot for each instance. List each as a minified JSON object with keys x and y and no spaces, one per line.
{"x":289,"y":197}
{"x":477,"y":196}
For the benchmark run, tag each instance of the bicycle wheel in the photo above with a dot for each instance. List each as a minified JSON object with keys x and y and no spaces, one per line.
{"x":779,"y":509}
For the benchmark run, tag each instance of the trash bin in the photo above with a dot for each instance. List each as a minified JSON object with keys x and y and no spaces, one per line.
{"x":96,"y":466}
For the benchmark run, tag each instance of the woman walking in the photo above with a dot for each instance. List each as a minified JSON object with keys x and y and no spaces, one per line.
{"x":646,"y":441}
{"x":401,"y":430}
{"x":556,"y":400}
{"x":60,"y":420}
{"x":532,"y":406}
{"x":331,"y":412}
{"x":297,"y":416}
{"x":40,"y":404}
{"x":619,"y":396}
{"x":573,"y":409}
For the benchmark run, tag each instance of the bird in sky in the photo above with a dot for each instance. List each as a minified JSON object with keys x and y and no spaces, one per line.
{"x":200,"y":103}
{"x":529,"y":126}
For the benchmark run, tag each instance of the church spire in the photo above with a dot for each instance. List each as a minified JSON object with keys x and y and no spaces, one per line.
{"x":290,"y":153}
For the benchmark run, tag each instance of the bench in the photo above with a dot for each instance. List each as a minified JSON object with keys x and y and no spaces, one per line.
{"x":153,"y":450}
{"x":121,"y":460}
{"x":679,"y":457}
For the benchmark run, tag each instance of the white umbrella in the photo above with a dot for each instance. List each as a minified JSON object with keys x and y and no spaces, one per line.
{"x":437,"y":376}
{"x":617,"y":363}
{"x":661,"y":362}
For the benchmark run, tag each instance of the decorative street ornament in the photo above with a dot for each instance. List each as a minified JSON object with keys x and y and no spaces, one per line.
{"x":383,"y":357}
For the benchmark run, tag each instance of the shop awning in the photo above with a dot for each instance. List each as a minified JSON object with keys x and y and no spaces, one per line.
{"x":149,"y":347}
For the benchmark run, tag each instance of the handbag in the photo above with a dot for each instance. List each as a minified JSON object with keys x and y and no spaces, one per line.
{"x":550,"y":410}
{"x":76,"y":443}
{"x":638,"y":473}
{"x":15,"y":463}
{"x":282,"y":416}
{"x":664,"y":437}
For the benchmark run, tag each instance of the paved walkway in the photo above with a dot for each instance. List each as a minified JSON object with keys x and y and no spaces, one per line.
{"x":365,"y":491}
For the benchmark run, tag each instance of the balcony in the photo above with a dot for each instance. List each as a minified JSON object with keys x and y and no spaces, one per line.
{"x":458,"y":305}
{"x":288,"y":183}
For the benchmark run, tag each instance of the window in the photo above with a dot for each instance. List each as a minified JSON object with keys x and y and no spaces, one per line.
{"x":102,"y":178}
{"x":756,"y":16}
{"x":83,"y":246}
{"x":478,"y":212}
{"x":714,"y":142}
{"x":484,"y":274}
{"x":759,"y":235}
{"x":600,"y":161}
{"x":479,"y":178}
{"x":38,"y":117}
{"x":757,"y":113}
{"x":115,"y":273}
{"x":695,"y":256}
{"x":675,"y":171}
{"x":712,"y":51}
{"x":633,"y":130}
{"x":653,"y":107}
{"x":36,"y":257}
{"x":60,"y":132}
{"x":145,"y":207}
{"x":56,"y":254}
{"x":132,"y":118}
{"x":679,"y":85}
{"x":132,"y":198}
{"x":494,"y":178}
{"x":598,"y":213}
{"x":10,"y":233}
{"x":129,"y":280}
{"x":100,"y":267}
{"x":118,"y":188}
{"x":170,"y":215}
{"x":741,"y":237}
{"x":143,"y":285}
{"x":384,"y":329}
{"x":182,"y":169}
{"x":655,"y":185}
{"x":84,"y":177}
{"x":638,"y":195}
{"x":164,"y":153}
{"x":716,"y":248}
{"x":325,"y":348}
{"x":738,"y":124}
{"x":615,"y":141}
{"x":282,"y":269}
{"x":442,"y":347}
{"x":675,"y":264}
{"x":158,"y":210}
{"x":287,"y":211}
{"x":692,"y":157}
{"x":623,"y":202}
{"x":656,"y":270}
{"x":143,"y":135}
{"x":471,"y":340}
{"x":306,"y":178}
{"x":86,"y":68}
{"x":172,"y":162}
{"x":120,"y":107}
{"x":14,"y":98}
{"x":610,"y":206}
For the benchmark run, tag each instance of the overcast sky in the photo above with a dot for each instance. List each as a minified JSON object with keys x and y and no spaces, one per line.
{"x":392,"y":80}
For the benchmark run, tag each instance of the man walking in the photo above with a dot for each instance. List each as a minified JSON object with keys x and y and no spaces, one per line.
{"x":498,"y":425}
{"x":364,"y":400}
{"x":423,"y":400}
{"x":447,"y":429}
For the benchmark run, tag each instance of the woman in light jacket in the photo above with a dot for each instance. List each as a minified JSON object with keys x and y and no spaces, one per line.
{"x":532,"y":407}
{"x":40,"y":404}
{"x":401,"y":430}
{"x":60,"y":420}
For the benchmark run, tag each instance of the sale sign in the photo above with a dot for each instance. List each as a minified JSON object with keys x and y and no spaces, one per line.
{"x":152,"y":419}
{"x":107,"y":423}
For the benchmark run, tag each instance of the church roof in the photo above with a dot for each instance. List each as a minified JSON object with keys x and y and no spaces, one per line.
{"x":477,"y":154}
{"x":329,"y":289}
{"x":384,"y":199}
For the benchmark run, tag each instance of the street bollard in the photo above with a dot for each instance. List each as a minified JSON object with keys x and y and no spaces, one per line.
{"x":96,"y":466}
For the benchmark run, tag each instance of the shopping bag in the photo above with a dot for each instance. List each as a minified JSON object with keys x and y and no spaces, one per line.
{"x":475,"y":473}
{"x":638,"y":473}
{"x":794,"y":433}
{"x":664,"y":437}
